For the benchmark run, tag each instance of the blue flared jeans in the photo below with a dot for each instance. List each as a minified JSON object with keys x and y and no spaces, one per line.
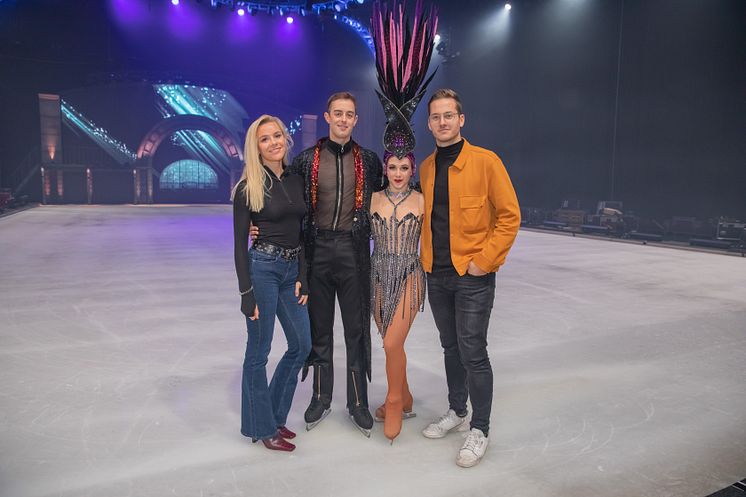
{"x":265,"y":407}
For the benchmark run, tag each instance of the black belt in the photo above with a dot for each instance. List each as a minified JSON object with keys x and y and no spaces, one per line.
{"x":272,"y":249}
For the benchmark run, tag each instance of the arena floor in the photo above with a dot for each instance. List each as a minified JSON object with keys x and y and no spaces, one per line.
{"x":619,"y":371}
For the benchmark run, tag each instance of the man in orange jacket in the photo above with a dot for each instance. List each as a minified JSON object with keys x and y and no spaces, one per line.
{"x":471,"y":220}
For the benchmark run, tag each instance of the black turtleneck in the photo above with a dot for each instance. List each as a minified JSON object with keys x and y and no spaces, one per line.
{"x":339,"y":148}
{"x":444,"y":159}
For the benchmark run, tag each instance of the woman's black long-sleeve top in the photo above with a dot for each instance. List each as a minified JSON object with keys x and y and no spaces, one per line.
{"x":280,"y":223}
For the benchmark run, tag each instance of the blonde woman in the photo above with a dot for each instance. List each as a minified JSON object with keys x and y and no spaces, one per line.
{"x":271,"y":279}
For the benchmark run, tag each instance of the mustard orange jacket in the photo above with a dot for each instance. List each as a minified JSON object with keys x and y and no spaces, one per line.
{"x":484,"y":216}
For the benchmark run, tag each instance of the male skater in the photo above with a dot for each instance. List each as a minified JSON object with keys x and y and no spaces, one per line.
{"x":340,"y":177}
{"x":471,"y":220}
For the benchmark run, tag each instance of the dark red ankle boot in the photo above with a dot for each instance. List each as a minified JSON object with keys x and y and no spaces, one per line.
{"x":277,"y":443}
{"x":285,"y":433}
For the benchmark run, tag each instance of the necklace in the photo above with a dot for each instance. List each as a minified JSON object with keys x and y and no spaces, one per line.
{"x":397,"y":196}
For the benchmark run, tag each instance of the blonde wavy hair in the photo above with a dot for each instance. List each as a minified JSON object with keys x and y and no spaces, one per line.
{"x":253,"y":172}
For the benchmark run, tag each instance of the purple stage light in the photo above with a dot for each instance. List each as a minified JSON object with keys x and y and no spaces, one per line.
{"x":185,"y":22}
{"x":290,"y":19}
{"x":239,"y":29}
{"x":241,"y":12}
{"x":174,"y":2}
{"x":130,"y":13}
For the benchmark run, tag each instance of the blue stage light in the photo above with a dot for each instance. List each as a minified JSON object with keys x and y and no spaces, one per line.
{"x":188,"y":174}
{"x":295,"y":125}
{"x":175,"y":2}
{"x":290,"y":19}
{"x":76,"y":120}
{"x":212,"y":103}
{"x":360,"y":29}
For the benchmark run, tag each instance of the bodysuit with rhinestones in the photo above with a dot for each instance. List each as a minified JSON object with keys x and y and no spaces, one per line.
{"x":396,"y":272}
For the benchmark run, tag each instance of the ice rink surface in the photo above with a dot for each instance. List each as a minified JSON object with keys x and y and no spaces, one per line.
{"x":620,"y":370}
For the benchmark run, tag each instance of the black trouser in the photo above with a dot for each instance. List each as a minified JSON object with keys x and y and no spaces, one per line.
{"x":461,"y":308}
{"x":334,"y":271}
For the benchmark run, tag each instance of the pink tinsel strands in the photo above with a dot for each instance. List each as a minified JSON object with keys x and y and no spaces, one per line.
{"x":402,"y":56}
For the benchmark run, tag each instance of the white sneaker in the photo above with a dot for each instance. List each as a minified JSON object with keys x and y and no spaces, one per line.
{"x":442,"y":426}
{"x":473,"y":449}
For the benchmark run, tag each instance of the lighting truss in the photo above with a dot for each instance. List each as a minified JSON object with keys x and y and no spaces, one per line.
{"x":359,"y":28}
{"x":286,"y":7}
{"x":289,"y":6}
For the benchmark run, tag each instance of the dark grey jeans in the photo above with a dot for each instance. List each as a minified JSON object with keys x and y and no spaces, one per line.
{"x":461,"y":308}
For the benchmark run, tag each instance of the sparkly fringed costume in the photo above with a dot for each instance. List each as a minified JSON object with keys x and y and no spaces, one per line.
{"x":396,"y":272}
{"x":398,"y":281}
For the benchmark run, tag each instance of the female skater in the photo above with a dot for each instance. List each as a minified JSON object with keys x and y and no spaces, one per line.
{"x":271,"y":279}
{"x":397,"y":281}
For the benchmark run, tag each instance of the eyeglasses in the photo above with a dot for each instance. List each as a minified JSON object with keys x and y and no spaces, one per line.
{"x":448,"y":116}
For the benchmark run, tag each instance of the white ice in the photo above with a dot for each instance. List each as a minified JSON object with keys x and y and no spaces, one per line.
{"x":620,"y":370}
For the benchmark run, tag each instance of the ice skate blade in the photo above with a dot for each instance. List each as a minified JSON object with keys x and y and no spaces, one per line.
{"x":310,"y":426}
{"x":364,"y":431}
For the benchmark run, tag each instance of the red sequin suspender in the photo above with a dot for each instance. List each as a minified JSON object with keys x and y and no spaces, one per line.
{"x":358,"y":176}
{"x":315,"y":174}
